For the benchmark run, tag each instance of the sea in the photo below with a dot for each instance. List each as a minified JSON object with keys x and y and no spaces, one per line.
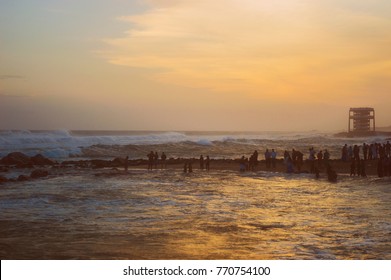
{"x":167,"y":214}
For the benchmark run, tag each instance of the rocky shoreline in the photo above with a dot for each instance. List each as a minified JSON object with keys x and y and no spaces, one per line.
{"x":39,"y":166}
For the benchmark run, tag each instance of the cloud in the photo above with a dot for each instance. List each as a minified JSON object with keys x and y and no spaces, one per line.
{"x":272,"y":49}
{"x":11,"y":77}
{"x":7,"y":95}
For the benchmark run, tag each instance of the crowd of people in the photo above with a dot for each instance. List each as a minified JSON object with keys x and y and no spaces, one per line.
{"x":369,"y":151}
{"x":357,"y":155}
{"x":153,"y":160}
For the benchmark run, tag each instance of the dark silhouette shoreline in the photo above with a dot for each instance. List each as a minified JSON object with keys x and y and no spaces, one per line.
{"x":44,"y":167}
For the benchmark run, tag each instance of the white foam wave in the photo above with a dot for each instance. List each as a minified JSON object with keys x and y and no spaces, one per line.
{"x":63,"y":143}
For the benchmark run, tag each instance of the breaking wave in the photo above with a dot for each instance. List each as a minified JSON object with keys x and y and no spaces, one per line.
{"x":63,"y":143}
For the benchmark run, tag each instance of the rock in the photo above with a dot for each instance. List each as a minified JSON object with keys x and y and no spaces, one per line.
{"x":41,"y":160}
{"x":16,"y":158}
{"x":38,"y":173}
{"x":99,"y":163}
{"x":23,"y":178}
{"x":77,"y":163}
{"x":118,"y":162}
{"x":3,"y":179}
{"x":3,"y":169}
{"x":24,"y":165}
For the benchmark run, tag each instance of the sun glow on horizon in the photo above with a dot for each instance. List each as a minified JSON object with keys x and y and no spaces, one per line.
{"x":155,"y":64}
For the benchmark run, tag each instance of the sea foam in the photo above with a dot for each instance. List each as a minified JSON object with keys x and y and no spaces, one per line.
{"x":59,"y":144}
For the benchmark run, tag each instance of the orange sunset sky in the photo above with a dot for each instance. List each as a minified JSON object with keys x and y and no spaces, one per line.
{"x":193,"y":65}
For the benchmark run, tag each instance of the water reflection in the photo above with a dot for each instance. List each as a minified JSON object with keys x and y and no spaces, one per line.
{"x":217,"y":215}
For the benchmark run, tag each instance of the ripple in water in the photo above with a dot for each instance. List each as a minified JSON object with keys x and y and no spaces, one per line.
{"x":216,"y":215}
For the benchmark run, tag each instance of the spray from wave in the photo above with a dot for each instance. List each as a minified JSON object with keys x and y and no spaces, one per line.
{"x":60,"y":144}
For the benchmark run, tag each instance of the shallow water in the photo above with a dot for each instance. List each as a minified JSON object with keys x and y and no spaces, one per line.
{"x":216,"y":215}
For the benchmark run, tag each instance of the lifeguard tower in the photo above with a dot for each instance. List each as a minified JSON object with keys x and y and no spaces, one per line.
{"x":362,"y":119}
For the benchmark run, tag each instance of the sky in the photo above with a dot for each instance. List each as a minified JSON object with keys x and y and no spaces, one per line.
{"x":247,"y":65}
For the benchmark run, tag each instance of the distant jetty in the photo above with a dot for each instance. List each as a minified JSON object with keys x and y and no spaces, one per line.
{"x":353,"y":134}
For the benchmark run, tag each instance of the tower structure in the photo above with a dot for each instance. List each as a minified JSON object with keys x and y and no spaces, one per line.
{"x":361,"y":119}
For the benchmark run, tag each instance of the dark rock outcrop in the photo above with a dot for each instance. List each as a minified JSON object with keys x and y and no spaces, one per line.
{"x":3,"y":179}
{"x":24,"y":161}
{"x":23,"y":178}
{"x":16,"y":158}
{"x":100,"y":163}
{"x":38,"y":173}
{"x":41,"y":160}
{"x":3,"y":169}
{"x":117,"y":162}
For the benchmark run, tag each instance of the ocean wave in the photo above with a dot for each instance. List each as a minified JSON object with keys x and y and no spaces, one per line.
{"x":64,"y":143}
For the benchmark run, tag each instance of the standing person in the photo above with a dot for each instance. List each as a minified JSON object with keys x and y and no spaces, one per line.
{"x":326,"y":157}
{"x":300,"y":160}
{"x":273,"y":158}
{"x":255,"y":159}
{"x":267,"y":158}
{"x":356,"y":152}
{"x":286,"y":156}
{"x":365,"y":151}
{"x":389,"y":166}
{"x":156,"y":159}
{"x":388,"y":149}
{"x":202,"y":162}
{"x":163,"y":158}
{"x":294,"y":157}
{"x":242,"y":164}
{"x":350,"y":153}
{"x":331,"y":174}
{"x":370,"y":152}
{"x":207,"y":163}
{"x":312,"y":160}
{"x":150,"y":160}
{"x":289,"y":165}
{"x":320,"y":158}
{"x":374,"y":151}
{"x":344,"y":156}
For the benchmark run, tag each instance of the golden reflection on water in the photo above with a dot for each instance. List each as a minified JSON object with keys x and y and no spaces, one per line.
{"x":217,"y":215}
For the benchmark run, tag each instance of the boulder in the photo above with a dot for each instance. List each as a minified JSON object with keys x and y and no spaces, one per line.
{"x":24,"y":165}
{"x":38,"y":173}
{"x":16,"y":158}
{"x":100,"y":163}
{"x":41,"y":160}
{"x":118,"y":162}
{"x":23,"y":178}
{"x":3,"y":179}
{"x":3,"y":169}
